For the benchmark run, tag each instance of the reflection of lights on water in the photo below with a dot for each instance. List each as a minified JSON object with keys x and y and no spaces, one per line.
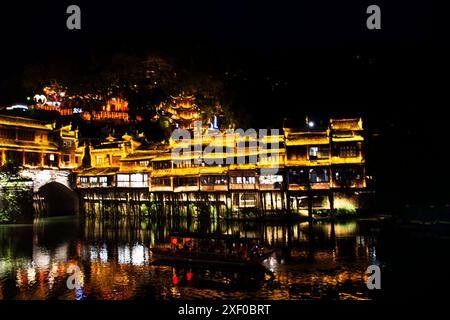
{"x":52,"y":274}
{"x":3,"y":266}
{"x":343,"y":229}
{"x":61,"y":252}
{"x":99,"y":254}
{"x":41,"y":258}
{"x":373,"y":254}
{"x":361,"y":240}
{"x":18,"y":278}
{"x":103,"y":254}
{"x":272,"y":263}
{"x":152,"y":239}
{"x":31,"y":274}
{"x":274,"y":234}
{"x":124,"y":254}
{"x":175,"y":279}
{"x":79,"y":294}
{"x":78,"y":249}
{"x":137,"y":254}
{"x":93,"y":253}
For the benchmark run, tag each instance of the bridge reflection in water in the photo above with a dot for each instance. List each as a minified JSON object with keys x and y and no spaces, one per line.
{"x":325,"y":260}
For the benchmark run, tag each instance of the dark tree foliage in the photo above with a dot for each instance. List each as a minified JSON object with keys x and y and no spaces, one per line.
{"x":143,"y":81}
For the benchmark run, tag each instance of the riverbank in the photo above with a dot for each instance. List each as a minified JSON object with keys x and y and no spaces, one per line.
{"x":16,"y":201}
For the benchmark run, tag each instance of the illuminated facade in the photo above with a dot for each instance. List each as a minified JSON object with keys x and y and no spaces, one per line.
{"x":116,"y":109}
{"x":320,"y":161}
{"x":30,"y":143}
{"x":181,"y":112}
{"x":56,"y":99}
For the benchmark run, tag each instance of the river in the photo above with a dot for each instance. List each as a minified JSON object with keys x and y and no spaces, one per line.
{"x":324,"y":260}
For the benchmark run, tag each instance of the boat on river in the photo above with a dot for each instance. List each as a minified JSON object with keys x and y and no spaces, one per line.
{"x":212,"y":250}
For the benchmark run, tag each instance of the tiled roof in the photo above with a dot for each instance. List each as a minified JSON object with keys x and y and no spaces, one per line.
{"x":98,"y":171}
{"x":25,"y":122}
{"x":346,"y":124}
{"x":6,"y":143}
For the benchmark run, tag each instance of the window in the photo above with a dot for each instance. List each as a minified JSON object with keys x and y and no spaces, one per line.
{"x":26,"y":135}
{"x":161,"y":181}
{"x":324,"y":152}
{"x":183,"y":164}
{"x":249,"y":180}
{"x":83,"y":179}
{"x":347,"y":176}
{"x":296,"y":153}
{"x":318,"y":175}
{"x":93,"y":180}
{"x":348,"y":151}
{"x":214,"y":180}
{"x":162,"y":165}
{"x":137,"y":177}
{"x":270,"y":179}
{"x":67,"y":143}
{"x":66,"y":158}
{"x":313,"y":152}
{"x":243,"y":180}
{"x":123,"y":178}
{"x":190,"y":181}
{"x":103,"y":179}
{"x":298,"y":176}
{"x":319,"y":152}
{"x":8,"y":134}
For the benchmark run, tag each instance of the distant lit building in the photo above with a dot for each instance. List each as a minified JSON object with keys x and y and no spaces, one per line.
{"x":56,"y":99}
{"x":181,"y":112}
{"x":116,"y":109}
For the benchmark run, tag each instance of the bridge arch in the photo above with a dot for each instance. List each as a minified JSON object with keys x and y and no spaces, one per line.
{"x":59,"y":200}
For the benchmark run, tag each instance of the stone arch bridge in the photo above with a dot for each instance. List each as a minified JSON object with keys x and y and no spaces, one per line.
{"x":55,"y":188}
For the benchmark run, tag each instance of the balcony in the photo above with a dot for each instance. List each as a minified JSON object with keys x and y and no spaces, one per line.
{"x":347,"y":160}
{"x":160,"y":188}
{"x":314,"y":186}
{"x":186,"y":188}
{"x":212,"y":188}
{"x":132,"y":184}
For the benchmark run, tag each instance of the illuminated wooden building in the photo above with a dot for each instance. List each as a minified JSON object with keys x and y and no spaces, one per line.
{"x":279,"y":172}
{"x":31,"y":143}
{"x":325,"y":159}
{"x":121,"y":163}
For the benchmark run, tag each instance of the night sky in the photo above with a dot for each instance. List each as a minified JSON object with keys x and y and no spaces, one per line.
{"x":289,"y":58}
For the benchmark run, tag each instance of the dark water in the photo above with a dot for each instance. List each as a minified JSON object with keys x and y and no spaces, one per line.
{"x":319,"y":261}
